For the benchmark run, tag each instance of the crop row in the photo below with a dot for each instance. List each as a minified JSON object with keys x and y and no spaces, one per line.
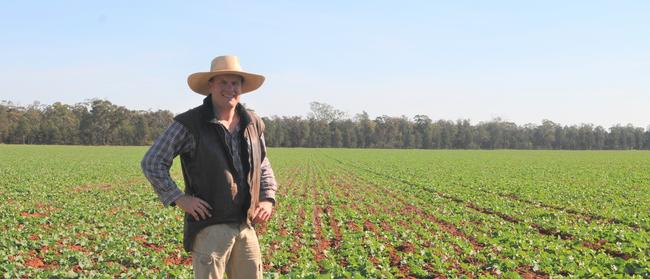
{"x":89,"y":212}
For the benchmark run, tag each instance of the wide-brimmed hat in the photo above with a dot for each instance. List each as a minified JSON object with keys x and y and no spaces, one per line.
{"x":223,"y":65}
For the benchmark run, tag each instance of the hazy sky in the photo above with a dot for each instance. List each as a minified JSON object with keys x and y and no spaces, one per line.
{"x":568,"y":61}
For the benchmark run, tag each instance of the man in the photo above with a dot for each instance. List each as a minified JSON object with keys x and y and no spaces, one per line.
{"x":229,"y":183}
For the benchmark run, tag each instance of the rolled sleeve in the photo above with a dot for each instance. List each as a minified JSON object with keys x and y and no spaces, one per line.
{"x":268,"y":184}
{"x":158,"y":160}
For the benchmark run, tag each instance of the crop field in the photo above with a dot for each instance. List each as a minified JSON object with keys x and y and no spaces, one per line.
{"x":71,"y":211}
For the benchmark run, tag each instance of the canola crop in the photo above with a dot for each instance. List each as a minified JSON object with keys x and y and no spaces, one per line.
{"x":77,"y":211}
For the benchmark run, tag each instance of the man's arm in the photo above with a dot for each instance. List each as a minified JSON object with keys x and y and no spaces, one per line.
{"x":268,"y":185}
{"x":158,"y":160}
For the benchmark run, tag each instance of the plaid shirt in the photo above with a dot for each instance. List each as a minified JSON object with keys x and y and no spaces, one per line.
{"x":178,"y":140}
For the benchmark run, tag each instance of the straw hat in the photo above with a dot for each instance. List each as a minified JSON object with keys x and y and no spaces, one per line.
{"x":223,"y":65}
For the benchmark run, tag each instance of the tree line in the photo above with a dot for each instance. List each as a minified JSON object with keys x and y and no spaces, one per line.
{"x":328,"y":127}
{"x":95,"y":122}
{"x":100,"y":122}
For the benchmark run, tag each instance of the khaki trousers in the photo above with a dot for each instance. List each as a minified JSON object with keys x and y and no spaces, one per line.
{"x":230,"y":248}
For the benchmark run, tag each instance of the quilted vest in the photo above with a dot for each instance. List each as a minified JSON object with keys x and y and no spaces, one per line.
{"x":209,"y":172}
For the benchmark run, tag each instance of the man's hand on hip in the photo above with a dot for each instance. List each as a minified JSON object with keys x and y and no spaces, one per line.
{"x":194,"y":206}
{"x":263,"y":212}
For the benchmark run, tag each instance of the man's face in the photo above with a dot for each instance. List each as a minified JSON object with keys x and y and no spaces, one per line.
{"x":226,"y":91}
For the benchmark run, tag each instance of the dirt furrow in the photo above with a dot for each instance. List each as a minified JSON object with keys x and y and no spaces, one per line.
{"x":542,"y":230}
{"x":446,"y":226}
{"x":404,"y":247}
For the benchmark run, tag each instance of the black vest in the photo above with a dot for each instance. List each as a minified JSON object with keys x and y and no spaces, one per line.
{"x":209,"y":172}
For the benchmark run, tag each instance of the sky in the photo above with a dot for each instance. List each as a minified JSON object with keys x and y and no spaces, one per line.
{"x":571,"y":62}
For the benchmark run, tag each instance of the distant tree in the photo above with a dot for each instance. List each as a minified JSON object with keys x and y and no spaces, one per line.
{"x":544,"y":136}
{"x":5,"y":121}
{"x":336,"y":139}
{"x":366,"y":130}
{"x":483,"y":138}
{"x":586,"y":138}
{"x":639,"y":138}
{"x":273,"y":135}
{"x":27,"y":131}
{"x":349,"y":133}
{"x":298,"y":130}
{"x":525,"y":136}
{"x":600,"y":137}
{"x":408,"y":132}
{"x":436,"y":134}
{"x":447,"y":134}
{"x":60,"y":124}
{"x":319,"y":133}
{"x":423,"y":131}
{"x":158,"y":121}
{"x":464,"y":137}
{"x":141,"y":130}
{"x":325,"y":112}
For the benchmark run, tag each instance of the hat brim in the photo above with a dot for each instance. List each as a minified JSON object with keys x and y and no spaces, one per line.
{"x":198,"y":82}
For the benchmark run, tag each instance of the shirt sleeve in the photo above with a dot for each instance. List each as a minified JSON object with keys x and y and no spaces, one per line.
{"x":158,"y":160}
{"x":268,"y":185}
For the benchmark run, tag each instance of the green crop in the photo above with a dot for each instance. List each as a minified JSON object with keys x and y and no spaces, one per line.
{"x":71,"y":211}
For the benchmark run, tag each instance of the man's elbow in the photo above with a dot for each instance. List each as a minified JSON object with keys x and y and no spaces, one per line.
{"x":145,"y":165}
